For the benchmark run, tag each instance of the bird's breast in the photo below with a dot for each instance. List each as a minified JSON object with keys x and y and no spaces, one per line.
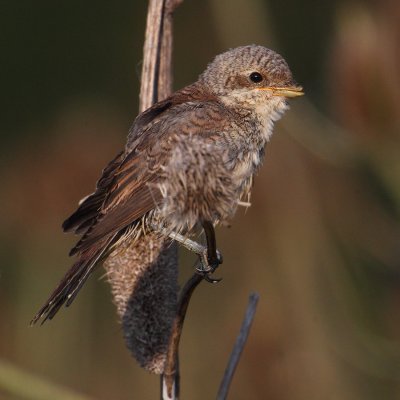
{"x":246,"y":165}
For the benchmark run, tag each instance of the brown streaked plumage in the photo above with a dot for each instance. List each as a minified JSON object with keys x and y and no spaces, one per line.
{"x":188,"y":160}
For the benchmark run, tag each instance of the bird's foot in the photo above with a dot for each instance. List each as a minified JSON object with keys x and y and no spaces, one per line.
{"x":208,"y":265}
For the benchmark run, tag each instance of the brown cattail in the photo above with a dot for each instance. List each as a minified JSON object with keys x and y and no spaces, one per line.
{"x":144,"y":286}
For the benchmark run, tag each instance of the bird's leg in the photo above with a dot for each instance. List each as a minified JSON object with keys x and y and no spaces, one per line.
{"x":209,"y":256}
{"x":187,"y":243}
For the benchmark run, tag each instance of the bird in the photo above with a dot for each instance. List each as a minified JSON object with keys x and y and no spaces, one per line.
{"x":188,"y":163}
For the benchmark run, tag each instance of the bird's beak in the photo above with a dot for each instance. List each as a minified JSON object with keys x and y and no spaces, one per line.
{"x":285,"y":91}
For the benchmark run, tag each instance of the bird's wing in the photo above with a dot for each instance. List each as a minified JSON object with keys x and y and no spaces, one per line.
{"x":121,"y":197}
{"x":126,"y":191}
{"x":133,"y":190}
{"x":89,"y":207}
{"x":126,"y":199}
{"x":132,"y":193}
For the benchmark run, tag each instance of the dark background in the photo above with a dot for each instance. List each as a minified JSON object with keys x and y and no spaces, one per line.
{"x":320,"y":243}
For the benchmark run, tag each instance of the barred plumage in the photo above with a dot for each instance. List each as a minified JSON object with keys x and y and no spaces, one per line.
{"x":190,"y":157}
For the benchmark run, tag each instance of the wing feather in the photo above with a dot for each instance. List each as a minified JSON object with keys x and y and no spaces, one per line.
{"x":127,"y":189}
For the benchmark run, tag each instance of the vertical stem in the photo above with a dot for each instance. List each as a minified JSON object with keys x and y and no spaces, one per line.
{"x":211,"y":241}
{"x":151,"y":55}
{"x":156,"y":85}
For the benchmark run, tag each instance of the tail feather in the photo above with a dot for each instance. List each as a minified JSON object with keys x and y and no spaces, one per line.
{"x":86,"y":213}
{"x":89,"y":207}
{"x":72,"y":282}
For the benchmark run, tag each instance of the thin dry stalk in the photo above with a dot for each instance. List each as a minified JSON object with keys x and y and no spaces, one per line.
{"x":156,"y":81}
{"x":238,"y":347}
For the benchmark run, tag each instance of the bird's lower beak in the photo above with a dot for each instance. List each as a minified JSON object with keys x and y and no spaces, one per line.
{"x":285,"y":91}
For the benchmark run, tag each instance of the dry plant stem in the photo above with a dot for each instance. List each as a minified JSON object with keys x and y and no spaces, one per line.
{"x":157,"y":66}
{"x":171,"y":371}
{"x":144,"y":275}
{"x":156,"y":85}
{"x":151,"y":55}
{"x":211,"y":242}
{"x":238,"y":348}
{"x":157,"y":53}
{"x":165,"y":76}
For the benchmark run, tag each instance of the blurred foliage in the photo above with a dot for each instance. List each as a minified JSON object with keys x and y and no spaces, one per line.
{"x":320,"y":242}
{"x":26,"y":386}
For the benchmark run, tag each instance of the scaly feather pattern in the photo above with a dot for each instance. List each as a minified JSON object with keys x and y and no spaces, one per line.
{"x":190,"y":157}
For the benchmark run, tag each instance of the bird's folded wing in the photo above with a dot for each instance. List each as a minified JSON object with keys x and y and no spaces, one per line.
{"x":126,"y":191}
{"x":129,"y":187}
{"x":134,"y":193}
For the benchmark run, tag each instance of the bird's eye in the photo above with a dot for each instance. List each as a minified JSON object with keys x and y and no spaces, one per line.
{"x":256,"y":77}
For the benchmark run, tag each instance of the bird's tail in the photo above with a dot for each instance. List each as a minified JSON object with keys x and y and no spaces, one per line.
{"x":73,"y":280}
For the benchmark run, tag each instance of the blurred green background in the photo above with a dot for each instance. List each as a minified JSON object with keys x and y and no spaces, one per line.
{"x":320,"y":243}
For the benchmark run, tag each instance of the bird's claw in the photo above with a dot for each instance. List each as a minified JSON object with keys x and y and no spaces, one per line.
{"x":208,"y":265}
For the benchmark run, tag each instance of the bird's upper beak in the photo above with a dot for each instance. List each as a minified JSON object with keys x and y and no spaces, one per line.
{"x":284,"y":91}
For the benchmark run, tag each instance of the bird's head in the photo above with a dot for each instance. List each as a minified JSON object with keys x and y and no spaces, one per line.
{"x":253,"y":78}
